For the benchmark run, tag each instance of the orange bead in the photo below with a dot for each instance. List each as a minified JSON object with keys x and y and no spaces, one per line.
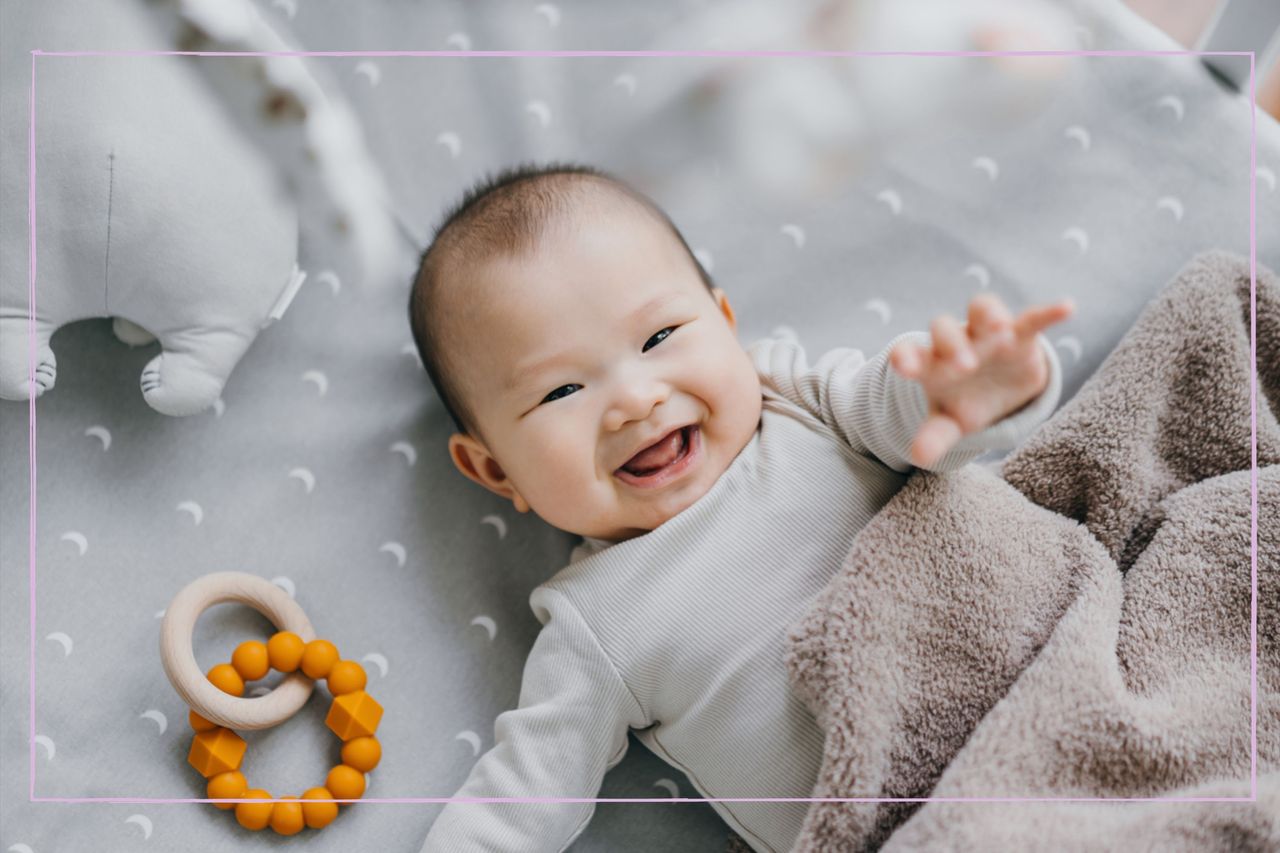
{"x":286,"y":817}
{"x":346,"y":783}
{"x":199,"y":723}
{"x":250,"y":659}
{"x":254,"y":815}
{"x":353,"y":715}
{"x":284,"y":650}
{"x":216,"y":751}
{"x":229,"y":785}
{"x":362,"y":753}
{"x":346,"y":676}
{"x":318,"y":815}
{"x":226,"y":679}
{"x":318,"y":658}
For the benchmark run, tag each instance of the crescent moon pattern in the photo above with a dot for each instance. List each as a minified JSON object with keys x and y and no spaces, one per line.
{"x":626,"y":81}
{"x":541,"y":110}
{"x":669,"y":786}
{"x":76,"y":537}
{"x":102,"y":434}
{"x":20,"y":848}
{"x":880,"y":307}
{"x":321,"y":381}
{"x":1078,"y":236}
{"x":1079,"y":134}
{"x":142,"y":821}
{"x":979,"y":273}
{"x":891,"y":199}
{"x":488,"y":624}
{"x":405,"y":448}
{"x":795,"y":232}
{"x":471,"y":738}
{"x":452,"y":141}
{"x":396,"y":550}
{"x":1172,"y":205}
{"x":550,"y":12}
{"x":331,"y":278}
{"x":371,"y":72}
{"x":498,"y":524}
{"x":1174,"y":104}
{"x":704,"y":257}
{"x":461,"y":41}
{"x":379,"y":661}
{"x":67,"y":644}
{"x":152,"y":714}
{"x":988,"y":165}
{"x":47,"y":743}
{"x":1072,"y":345}
{"x":1267,"y":177}
{"x":197,"y":512}
{"x":286,"y":584}
{"x":308,"y":479}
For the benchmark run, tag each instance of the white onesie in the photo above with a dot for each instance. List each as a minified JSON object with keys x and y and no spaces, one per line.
{"x":679,"y":634}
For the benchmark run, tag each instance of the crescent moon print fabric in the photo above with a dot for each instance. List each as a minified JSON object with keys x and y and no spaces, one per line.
{"x":323,"y":467}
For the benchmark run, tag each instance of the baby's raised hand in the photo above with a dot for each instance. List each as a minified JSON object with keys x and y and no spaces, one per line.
{"x":978,"y":373}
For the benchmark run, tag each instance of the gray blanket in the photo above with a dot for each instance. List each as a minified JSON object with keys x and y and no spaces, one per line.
{"x":1078,"y":626}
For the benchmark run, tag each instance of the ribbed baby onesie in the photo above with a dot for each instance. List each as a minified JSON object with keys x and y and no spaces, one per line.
{"x":679,"y":634}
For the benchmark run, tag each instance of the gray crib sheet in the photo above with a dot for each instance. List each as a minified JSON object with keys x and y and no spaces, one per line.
{"x":324,"y":468}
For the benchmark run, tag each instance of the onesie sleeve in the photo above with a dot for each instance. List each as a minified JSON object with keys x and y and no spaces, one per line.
{"x":570,"y":727}
{"x":876,"y":410}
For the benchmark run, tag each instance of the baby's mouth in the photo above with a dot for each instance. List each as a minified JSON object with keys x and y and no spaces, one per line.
{"x":658,"y":455}
{"x":664,"y":461}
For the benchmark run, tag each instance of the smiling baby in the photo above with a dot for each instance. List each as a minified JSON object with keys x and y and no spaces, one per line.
{"x":595,"y":377}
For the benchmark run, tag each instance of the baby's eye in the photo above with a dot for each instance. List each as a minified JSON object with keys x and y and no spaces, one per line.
{"x":556,"y":395}
{"x":659,"y":337}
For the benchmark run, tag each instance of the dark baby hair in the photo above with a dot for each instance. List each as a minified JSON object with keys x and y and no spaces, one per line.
{"x":500,"y":214}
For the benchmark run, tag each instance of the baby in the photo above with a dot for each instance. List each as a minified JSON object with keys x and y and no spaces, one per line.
{"x":595,"y":377}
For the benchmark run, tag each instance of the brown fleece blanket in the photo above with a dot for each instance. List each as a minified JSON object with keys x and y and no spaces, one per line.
{"x":1078,"y":626}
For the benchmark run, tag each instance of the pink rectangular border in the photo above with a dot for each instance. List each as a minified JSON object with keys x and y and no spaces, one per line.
{"x":1253,"y":308}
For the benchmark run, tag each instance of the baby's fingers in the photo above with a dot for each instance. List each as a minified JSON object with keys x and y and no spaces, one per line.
{"x":905,"y":358}
{"x":934,"y":438}
{"x":1041,"y":317}
{"x":950,"y":343}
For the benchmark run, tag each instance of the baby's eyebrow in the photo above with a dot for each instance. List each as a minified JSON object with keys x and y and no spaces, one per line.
{"x":524,"y":374}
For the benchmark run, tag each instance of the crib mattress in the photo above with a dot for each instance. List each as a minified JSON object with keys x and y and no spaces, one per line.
{"x":324,"y":467}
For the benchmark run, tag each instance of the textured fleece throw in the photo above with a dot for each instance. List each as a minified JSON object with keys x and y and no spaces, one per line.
{"x":1077,"y":626}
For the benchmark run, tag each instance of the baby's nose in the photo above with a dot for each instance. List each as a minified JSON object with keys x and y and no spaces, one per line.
{"x":635,"y":400}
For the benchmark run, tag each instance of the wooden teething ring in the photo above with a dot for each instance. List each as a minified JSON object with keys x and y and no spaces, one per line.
{"x":178,"y":628}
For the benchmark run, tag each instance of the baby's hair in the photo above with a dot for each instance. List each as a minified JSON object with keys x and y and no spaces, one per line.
{"x":502,"y":214}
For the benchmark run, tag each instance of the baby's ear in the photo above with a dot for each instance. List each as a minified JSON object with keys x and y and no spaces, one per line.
{"x":725,"y":309}
{"x":477,"y":464}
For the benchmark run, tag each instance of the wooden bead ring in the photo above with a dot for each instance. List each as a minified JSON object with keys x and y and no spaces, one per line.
{"x":184,"y":673}
{"x":216,"y":751}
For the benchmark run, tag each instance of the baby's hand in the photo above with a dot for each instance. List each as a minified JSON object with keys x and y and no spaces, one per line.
{"x":977,"y":374}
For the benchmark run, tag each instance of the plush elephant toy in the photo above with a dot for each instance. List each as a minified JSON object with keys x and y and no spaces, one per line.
{"x":150,"y":208}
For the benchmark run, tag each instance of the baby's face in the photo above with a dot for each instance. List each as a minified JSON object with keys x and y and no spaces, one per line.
{"x":594,"y":346}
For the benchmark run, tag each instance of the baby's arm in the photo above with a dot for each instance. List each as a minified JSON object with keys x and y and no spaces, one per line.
{"x":879,"y":412}
{"x":569,"y":729}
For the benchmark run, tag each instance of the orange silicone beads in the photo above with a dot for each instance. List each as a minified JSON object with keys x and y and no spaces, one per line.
{"x":284,"y":651}
{"x":217,"y":751}
{"x":318,"y":658}
{"x":251,"y":660}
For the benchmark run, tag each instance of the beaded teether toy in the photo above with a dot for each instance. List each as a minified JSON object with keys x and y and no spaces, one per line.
{"x":216,"y":751}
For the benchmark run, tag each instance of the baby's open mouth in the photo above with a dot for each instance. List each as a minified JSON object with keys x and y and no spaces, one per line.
{"x":663,"y":460}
